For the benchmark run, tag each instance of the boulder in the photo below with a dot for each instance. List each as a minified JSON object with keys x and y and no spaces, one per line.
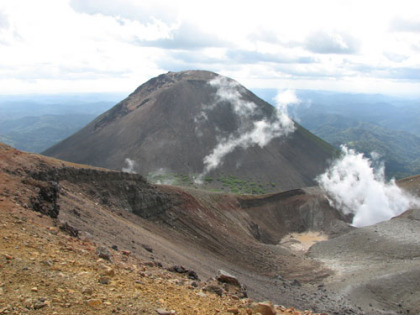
{"x":226,"y":277}
{"x":265,"y":308}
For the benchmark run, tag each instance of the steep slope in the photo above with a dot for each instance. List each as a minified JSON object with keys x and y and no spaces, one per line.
{"x":174,"y":121}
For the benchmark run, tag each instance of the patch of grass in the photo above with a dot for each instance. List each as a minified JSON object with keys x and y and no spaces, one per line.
{"x":225,"y":183}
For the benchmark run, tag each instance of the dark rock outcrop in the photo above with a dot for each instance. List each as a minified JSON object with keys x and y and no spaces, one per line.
{"x":46,"y":201}
{"x":128,"y":191}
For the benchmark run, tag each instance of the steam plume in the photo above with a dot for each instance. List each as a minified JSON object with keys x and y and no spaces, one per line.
{"x":130,"y":168}
{"x":260,"y":133}
{"x":356,"y":187}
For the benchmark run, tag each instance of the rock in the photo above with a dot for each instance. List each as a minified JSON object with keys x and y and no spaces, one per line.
{"x":148,"y":248}
{"x":265,"y":308}
{"x":87,"y":291}
{"x":104,"y":253}
{"x":233,"y":310}
{"x":67,"y":228}
{"x":34,"y":289}
{"x":109,"y":272}
{"x":39,"y":304}
{"x":94,"y":302}
{"x":114,"y":247}
{"x":226,"y":277}
{"x":104,"y":280}
{"x":193,"y":275}
{"x":126,"y":252}
{"x":46,"y":201}
{"x":178,"y":269}
{"x":48,"y":263}
{"x":296,"y":283}
{"x":28,"y":303}
{"x":162,"y":311}
{"x":213,"y":289}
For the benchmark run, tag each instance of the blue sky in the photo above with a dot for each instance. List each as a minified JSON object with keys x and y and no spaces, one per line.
{"x":61,"y":46}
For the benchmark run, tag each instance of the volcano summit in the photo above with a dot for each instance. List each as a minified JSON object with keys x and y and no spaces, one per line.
{"x":203,"y":125}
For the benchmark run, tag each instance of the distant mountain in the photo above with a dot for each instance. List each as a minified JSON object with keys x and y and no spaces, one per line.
{"x":387,"y":125}
{"x":398,"y":149}
{"x":36,"y":134}
{"x":36,"y":122}
{"x":197,"y":123}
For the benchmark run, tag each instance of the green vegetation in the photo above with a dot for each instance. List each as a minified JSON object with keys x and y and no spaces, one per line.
{"x":36,"y":134}
{"x":225,"y":183}
{"x":398,"y":149}
{"x":240,"y":186}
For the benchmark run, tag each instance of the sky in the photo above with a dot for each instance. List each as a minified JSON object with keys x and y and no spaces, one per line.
{"x":77,"y":46}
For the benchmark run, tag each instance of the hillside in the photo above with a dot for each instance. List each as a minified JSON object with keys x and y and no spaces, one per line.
{"x":149,"y":230}
{"x":384,"y":124}
{"x":48,"y":267}
{"x":199,"y":124}
{"x":36,"y":122}
{"x":163,"y":225}
{"x":36,"y":134}
{"x":398,"y":149}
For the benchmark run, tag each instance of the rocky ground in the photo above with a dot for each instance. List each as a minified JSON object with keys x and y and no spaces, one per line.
{"x":44,"y":270}
{"x":47,"y":267}
{"x":80,"y":240}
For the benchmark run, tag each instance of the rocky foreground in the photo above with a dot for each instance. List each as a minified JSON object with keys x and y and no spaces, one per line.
{"x":48,"y":267}
{"x":44,"y":270}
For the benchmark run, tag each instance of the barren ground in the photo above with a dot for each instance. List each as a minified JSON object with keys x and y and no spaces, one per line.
{"x":266,"y":242}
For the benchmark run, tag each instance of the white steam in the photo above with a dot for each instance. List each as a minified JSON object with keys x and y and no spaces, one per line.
{"x":356,"y":187}
{"x":260,"y":133}
{"x":130,"y":166}
{"x":229,"y":91}
{"x":162,"y":177}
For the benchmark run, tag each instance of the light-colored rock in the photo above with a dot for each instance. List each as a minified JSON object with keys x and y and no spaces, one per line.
{"x":265,"y":308}
{"x":94,"y":302}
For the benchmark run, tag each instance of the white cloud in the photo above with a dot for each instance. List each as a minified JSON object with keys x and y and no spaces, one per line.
{"x":331,"y":43}
{"x":264,"y":43}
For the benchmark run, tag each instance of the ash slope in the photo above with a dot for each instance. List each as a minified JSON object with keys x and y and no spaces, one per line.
{"x":172,"y":122}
